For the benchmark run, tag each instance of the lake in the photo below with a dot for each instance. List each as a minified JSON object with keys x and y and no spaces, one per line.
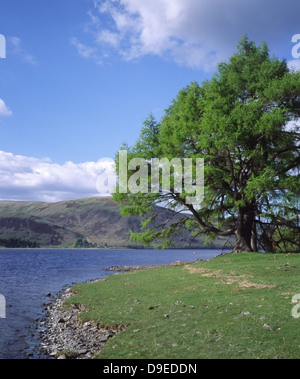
{"x":28,"y":276}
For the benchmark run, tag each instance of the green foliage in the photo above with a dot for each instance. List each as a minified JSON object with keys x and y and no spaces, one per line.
{"x":82,"y":243}
{"x":16,"y":243}
{"x":242,"y":122}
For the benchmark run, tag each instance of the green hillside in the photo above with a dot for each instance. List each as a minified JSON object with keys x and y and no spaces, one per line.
{"x":62,"y":224}
{"x":90,"y":222}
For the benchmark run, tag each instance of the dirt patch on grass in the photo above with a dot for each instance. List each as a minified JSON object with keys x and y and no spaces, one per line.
{"x":242,"y":281}
{"x":245,"y":284}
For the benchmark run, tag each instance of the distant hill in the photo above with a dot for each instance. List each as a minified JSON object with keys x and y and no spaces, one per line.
{"x":90,"y":222}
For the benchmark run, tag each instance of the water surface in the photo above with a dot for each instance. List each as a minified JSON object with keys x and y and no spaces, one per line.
{"x":27,"y":276}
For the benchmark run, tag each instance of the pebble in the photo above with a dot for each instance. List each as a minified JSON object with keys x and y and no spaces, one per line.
{"x":247,"y":313}
{"x":65,"y":337}
{"x":268,"y":327}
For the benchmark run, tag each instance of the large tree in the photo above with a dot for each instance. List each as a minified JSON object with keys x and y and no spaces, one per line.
{"x":243,"y":122}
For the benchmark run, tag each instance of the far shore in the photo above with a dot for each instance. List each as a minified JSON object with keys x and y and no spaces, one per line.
{"x":114,"y":248}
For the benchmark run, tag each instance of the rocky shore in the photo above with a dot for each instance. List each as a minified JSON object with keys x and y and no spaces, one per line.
{"x":138,"y":268}
{"x":66,"y":337}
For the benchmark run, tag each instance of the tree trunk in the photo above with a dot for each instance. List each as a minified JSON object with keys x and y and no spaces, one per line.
{"x":266,"y":239}
{"x":254,"y":239}
{"x":244,"y":233}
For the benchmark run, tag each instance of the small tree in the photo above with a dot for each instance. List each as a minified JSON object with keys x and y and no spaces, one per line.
{"x":243,"y":122}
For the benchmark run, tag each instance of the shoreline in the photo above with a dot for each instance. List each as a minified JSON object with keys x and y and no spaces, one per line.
{"x":65,"y":336}
{"x":237,"y":309}
{"x":114,"y":248}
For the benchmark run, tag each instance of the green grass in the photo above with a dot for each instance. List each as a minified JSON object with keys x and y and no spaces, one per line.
{"x":235,"y":306}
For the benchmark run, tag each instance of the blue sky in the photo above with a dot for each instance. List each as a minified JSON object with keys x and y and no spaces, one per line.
{"x":81,"y":76}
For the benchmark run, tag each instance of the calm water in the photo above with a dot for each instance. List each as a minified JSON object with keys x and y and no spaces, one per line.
{"x":27,"y":276}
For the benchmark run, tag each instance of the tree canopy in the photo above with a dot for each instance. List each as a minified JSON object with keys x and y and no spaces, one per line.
{"x":244,"y":123}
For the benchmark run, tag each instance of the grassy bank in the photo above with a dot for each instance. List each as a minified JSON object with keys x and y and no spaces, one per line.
{"x":234,"y":306}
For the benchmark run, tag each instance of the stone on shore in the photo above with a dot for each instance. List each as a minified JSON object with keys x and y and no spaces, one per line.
{"x":65,"y":337}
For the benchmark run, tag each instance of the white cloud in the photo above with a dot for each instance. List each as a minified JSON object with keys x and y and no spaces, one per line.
{"x":17,"y":49}
{"x":108,"y":37}
{"x":195,"y":33}
{"x":294,"y":65}
{"x":32,"y":179}
{"x":4,"y":110}
{"x":87,"y":52}
{"x":83,"y":50}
